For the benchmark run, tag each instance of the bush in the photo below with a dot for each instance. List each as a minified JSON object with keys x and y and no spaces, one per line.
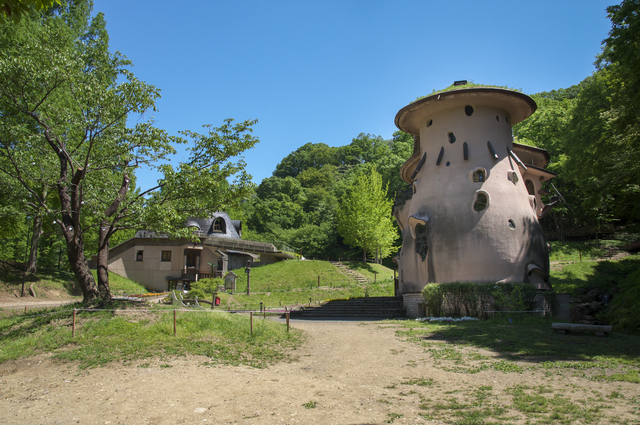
{"x":471,"y":298}
{"x":433,"y":299}
{"x":624,"y":311}
{"x":204,"y":288}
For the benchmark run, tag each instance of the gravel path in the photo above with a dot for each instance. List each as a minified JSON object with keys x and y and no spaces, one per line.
{"x":348,"y":372}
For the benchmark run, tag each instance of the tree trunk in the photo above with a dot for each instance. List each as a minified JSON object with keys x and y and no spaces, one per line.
{"x":105,"y":233}
{"x":81,"y":271}
{"x":35,"y":240}
{"x":364,"y":256}
{"x":103,"y":261}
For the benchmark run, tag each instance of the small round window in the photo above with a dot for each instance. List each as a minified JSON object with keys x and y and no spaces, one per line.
{"x":429,"y":123}
{"x":512,"y":225}
{"x":468,"y":110}
{"x":481,"y":201}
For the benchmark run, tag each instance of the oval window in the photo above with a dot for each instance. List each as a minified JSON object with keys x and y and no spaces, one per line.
{"x":482,"y":201}
{"x":530,"y":187}
{"x":468,"y":110}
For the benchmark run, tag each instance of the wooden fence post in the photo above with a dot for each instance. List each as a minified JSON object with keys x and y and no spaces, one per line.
{"x":73,"y":327}
{"x":287,"y":321}
{"x":251,"y":321}
{"x":175,"y":331}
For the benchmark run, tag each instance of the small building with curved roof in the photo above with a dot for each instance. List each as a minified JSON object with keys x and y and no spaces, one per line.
{"x":161,"y":263}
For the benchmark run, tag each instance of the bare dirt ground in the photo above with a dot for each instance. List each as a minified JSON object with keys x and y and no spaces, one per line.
{"x":346,"y":373}
{"x":11,"y":299}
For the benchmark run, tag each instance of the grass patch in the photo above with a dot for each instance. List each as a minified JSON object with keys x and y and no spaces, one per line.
{"x":603,"y":274}
{"x":103,"y":337}
{"x":576,"y":251}
{"x":310,"y":405}
{"x":48,"y":279}
{"x":295,"y":283}
{"x":120,"y":285}
{"x":533,"y":341}
{"x":422,"y":382}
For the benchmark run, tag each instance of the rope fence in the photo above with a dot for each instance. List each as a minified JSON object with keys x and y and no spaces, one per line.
{"x":74,"y":312}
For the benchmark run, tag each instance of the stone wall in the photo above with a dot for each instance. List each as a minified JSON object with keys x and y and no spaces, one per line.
{"x":413,"y":304}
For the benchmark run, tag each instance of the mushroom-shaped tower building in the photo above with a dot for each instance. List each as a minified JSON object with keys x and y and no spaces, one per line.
{"x":475,"y":199}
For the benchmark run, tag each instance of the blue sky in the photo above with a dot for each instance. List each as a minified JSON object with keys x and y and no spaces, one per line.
{"x":328,"y":70}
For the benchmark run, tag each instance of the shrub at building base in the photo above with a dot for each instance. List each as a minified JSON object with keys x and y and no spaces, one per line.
{"x":471,"y":298}
{"x":204,"y":288}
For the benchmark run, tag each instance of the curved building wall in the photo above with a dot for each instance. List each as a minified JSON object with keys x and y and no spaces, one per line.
{"x":471,"y":218}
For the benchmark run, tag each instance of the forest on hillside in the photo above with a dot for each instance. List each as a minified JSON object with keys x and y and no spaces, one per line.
{"x":591,"y":131}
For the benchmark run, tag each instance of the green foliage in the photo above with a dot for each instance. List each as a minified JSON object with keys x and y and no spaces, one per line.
{"x":122,"y":285}
{"x":294,"y":282}
{"x":471,"y":298}
{"x":102,"y":338}
{"x":364,"y":218}
{"x":15,"y":10}
{"x":204,"y":288}
{"x":298,"y":204}
{"x":624,"y":311}
{"x":602,"y":274}
{"x":433,"y":299}
{"x":61,"y":87}
{"x":575,"y":251}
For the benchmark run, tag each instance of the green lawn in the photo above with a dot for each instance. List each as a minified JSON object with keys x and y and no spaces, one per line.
{"x":550,"y":378}
{"x":301,"y":282}
{"x":133,"y":335}
{"x":120,"y":285}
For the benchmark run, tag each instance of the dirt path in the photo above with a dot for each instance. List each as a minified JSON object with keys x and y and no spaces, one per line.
{"x":347,"y":373}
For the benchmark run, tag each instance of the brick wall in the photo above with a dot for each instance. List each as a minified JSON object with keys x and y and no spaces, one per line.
{"x":413,"y":304}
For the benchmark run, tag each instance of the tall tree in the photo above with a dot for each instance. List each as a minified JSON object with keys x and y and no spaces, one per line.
{"x":15,"y":10}
{"x":65,"y":100}
{"x":364,"y":218}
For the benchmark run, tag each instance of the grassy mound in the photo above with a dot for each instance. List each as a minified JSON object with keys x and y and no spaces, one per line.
{"x":301,"y":282}
{"x":133,"y":335}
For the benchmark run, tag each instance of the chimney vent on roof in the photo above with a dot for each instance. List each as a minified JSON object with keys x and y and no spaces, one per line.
{"x":460,"y":83}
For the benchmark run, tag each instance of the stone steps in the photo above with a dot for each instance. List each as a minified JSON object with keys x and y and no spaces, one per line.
{"x":351,"y":273}
{"x":366,"y":307}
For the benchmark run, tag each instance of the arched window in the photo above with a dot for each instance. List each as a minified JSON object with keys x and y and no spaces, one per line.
{"x":219,"y":225}
{"x":530,"y":187}
{"x":422,"y":247}
{"x":479,"y":175}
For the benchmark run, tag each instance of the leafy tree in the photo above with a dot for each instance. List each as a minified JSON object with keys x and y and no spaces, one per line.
{"x":618,"y":133}
{"x":15,"y":10}
{"x":65,"y":100}
{"x":309,"y":155}
{"x":364,"y":216}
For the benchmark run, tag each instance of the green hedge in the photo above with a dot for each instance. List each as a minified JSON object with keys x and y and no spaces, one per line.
{"x":204,"y":288}
{"x":470,"y":298}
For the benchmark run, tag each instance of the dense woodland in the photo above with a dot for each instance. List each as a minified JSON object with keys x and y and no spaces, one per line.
{"x":59,"y":191}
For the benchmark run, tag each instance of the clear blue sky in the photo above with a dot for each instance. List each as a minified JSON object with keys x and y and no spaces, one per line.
{"x":326,"y":71}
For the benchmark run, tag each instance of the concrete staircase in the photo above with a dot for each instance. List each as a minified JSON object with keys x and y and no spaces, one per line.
{"x":354,"y":308}
{"x":351,"y":273}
